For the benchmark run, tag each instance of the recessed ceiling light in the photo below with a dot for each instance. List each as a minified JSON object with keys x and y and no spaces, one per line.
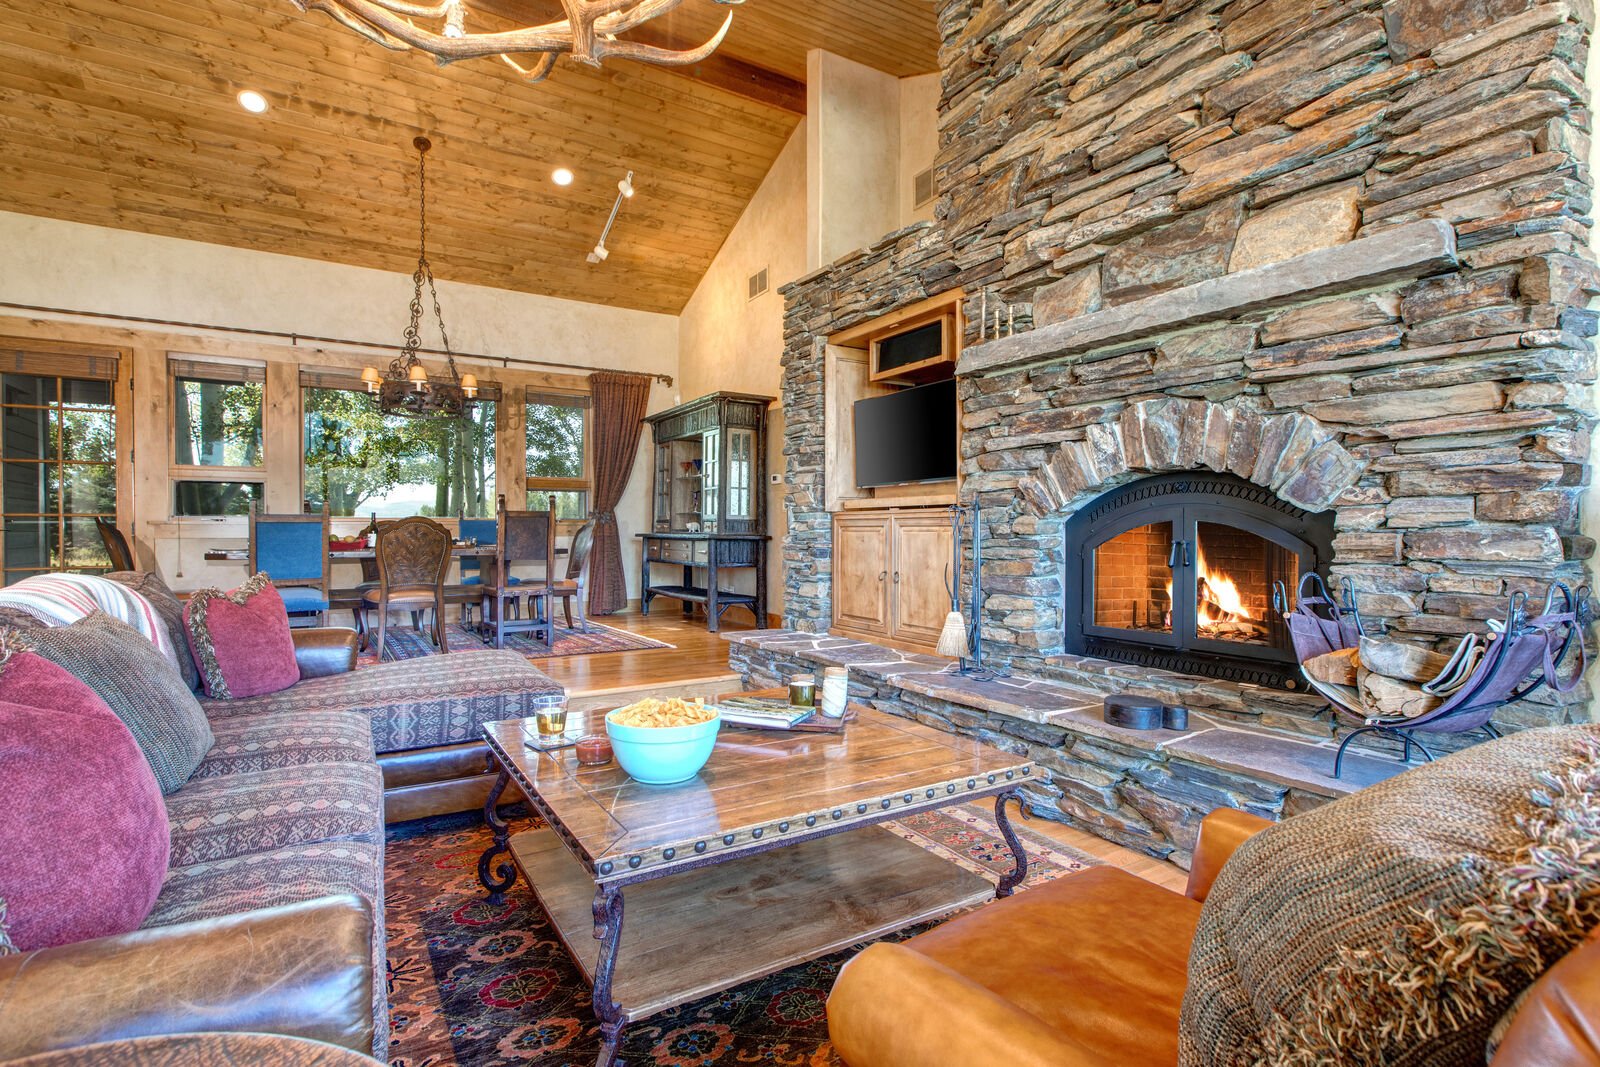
{"x":561,"y":176}
{"x":253,"y":101}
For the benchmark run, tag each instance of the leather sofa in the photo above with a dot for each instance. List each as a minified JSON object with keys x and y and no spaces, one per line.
{"x":270,"y":918}
{"x":1090,"y":969}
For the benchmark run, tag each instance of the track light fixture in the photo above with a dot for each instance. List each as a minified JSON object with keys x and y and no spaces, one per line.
{"x":624,"y":191}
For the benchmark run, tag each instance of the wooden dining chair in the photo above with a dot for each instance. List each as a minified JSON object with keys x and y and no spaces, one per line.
{"x":413,"y":559}
{"x":117,"y":547}
{"x":293,"y":551}
{"x":485,"y":532}
{"x":525,"y":537}
{"x":575,"y":586}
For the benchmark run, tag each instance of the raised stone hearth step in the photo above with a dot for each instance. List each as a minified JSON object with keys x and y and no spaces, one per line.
{"x":1412,"y":250}
{"x":1144,"y":788}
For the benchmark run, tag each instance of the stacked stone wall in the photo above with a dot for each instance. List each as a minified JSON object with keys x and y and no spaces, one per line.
{"x":1100,"y":158}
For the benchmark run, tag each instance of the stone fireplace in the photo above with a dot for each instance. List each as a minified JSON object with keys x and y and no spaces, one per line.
{"x":1330,"y":257}
{"x":1182,"y":572}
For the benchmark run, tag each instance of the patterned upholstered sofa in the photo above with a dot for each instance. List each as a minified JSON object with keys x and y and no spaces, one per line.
{"x":271,"y":915}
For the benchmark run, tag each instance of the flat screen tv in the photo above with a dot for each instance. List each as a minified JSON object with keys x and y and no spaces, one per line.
{"x":907,"y":436}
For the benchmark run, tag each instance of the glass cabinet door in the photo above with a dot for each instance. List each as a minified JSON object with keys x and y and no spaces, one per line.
{"x":711,"y":471}
{"x":741,"y":474}
{"x":663,"y":488}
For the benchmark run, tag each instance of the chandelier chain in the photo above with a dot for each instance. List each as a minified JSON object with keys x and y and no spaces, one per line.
{"x":408,"y":389}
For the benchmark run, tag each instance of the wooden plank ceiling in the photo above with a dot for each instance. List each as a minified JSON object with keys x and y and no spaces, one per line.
{"x":122,"y":113}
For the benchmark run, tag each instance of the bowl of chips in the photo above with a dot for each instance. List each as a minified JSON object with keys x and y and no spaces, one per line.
{"x":663,"y":742}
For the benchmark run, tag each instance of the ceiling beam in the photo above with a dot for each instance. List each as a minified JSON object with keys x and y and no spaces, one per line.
{"x":718,"y":71}
{"x":724,"y":72}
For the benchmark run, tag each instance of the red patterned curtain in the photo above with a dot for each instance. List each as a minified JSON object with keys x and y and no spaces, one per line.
{"x":619,"y":406}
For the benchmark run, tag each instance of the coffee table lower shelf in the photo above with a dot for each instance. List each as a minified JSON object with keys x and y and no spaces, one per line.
{"x":697,"y":932}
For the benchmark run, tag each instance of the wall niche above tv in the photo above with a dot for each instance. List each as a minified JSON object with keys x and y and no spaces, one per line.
{"x":910,"y":351}
{"x":914,"y":345}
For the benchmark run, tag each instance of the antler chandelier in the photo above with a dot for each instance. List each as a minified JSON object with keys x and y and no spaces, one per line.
{"x":407,"y":388}
{"x":588,"y":33}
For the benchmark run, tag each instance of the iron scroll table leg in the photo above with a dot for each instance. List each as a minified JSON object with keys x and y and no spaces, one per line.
{"x":497,"y":878}
{"x":1010,"y":881}
{"x":608,"y":931}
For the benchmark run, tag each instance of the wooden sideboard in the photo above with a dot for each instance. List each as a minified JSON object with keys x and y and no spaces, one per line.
{"x":889,"y":572}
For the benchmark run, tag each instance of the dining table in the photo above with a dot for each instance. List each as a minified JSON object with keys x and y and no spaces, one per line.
{"x":351,"y":598}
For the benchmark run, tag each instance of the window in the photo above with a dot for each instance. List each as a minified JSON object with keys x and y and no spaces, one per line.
{"x":558,"y":453}
{"x":58,"y":461}
{"x":217,"y":462}
{"x":361,"y":462}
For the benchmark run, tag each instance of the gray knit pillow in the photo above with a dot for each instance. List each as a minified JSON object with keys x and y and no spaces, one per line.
{"x":1394,"y":926}
{"x":140,"y":685}
{"x":149,"y":585}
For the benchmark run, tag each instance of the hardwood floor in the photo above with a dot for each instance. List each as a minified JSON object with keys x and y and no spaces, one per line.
{"x":701,"y":657}
{"x":697,"y":654}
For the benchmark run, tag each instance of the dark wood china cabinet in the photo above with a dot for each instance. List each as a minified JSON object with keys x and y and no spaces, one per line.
{"x":708,"y":504}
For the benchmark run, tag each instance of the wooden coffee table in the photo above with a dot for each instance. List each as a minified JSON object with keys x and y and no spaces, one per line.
{"x":770,"y":857}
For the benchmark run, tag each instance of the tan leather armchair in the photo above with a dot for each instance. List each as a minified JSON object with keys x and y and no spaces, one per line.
{"x":302,"y":970}
{"x":1090,"y":970}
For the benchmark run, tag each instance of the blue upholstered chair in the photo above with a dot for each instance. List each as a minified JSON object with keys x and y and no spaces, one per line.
{"x":485,"y":532}
{"x":293,"y":551}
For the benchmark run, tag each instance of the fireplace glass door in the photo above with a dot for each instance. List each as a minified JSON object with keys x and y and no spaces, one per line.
{"x":1180,"y":574}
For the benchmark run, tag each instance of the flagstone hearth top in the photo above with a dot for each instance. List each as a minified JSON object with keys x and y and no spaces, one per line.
{"x":1234,"y":747}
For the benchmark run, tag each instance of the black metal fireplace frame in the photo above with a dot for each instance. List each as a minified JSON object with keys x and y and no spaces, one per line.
{"x":1205,"y":496}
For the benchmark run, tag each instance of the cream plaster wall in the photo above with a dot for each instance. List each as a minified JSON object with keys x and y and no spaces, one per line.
{"x":852,"y":156}
{"x":58,"y":264}
{"x":729,"y":342}
{"x":919,"y":141}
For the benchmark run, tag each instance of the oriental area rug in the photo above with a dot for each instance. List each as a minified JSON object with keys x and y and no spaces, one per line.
{"x":481,"y":985}
{"x":402,"y":642}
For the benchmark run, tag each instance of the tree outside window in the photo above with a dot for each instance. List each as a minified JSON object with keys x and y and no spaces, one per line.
{"x":558,"y":454}
{"x":216,"y":428}
{"x":362,"y":462}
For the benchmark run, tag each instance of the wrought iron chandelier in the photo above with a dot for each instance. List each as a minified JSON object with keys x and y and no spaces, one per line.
{"x":588,"y":33}
{"x":407,"y":388}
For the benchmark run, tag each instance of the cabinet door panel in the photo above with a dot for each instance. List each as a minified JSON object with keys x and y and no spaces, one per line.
{"x":921,"y":556}
{"x":861,"y":573}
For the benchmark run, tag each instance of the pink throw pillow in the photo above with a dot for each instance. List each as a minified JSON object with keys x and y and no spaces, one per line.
{"x":241,"y":640}
{"x":83,"y":830}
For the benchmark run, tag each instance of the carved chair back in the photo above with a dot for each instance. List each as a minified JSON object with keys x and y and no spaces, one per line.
{"x":413,"y":553}
{"x":117,"y":547}
{"x":578,"y":553}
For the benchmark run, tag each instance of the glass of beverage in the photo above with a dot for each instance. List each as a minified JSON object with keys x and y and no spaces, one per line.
{"x":551,"y":722}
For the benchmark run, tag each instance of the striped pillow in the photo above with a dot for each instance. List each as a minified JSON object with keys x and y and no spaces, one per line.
{"x":146,"y":693}
{"x":63,"y":599}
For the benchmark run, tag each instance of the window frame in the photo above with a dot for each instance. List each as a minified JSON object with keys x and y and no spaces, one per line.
{"x":489,"y":392}
{"x":208,"y":472}
{"x":61,"y":359}
{"x":585,"y":484}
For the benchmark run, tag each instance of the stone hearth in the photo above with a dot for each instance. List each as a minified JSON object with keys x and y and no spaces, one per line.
{"x":1144,"y":789}
{"x":1340,"y":251}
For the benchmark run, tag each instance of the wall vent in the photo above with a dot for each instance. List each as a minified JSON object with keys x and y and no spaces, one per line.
{"x":757,"y":283}
{"x":922,"y":188}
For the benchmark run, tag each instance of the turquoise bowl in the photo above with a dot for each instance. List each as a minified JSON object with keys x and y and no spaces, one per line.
{"x":663,"y":755}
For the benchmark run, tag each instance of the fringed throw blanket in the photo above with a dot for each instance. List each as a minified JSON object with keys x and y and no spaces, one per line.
{"x":1394,"y":927}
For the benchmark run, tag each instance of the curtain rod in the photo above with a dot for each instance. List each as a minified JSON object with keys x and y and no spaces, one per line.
{"x":294,"y":339}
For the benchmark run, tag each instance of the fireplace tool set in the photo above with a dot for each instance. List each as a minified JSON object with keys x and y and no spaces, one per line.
{"x":963,"y":637}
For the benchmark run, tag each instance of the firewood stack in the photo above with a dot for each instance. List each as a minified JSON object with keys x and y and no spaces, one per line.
{"x":1386,"y":676}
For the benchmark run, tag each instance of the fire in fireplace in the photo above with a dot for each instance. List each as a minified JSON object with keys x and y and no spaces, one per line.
{"x":1177,"y":571}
